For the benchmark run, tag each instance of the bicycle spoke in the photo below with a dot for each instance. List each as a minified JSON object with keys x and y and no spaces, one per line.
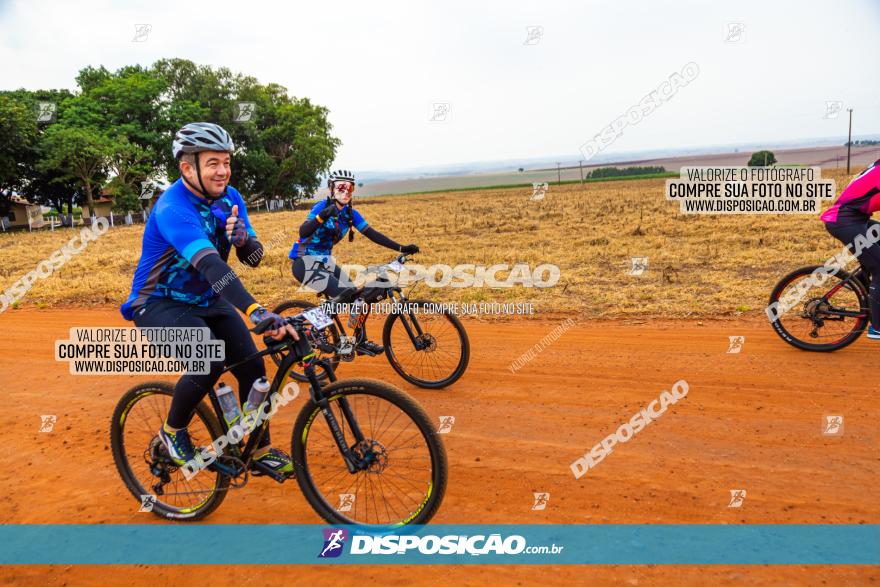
{"x":395,"y":483}
{"x":142,"y":424}
{"x":814,"y":320}
{"x":435,"y":363}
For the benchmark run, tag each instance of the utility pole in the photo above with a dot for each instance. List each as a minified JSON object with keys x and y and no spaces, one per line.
{"x":581,"y":167}
{"x":558,"y":174}
{"x":849,"y":140}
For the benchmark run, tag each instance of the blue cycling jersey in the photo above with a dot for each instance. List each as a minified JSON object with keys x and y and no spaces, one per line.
{"x":182,"y":229}
{"x":329,"y":233}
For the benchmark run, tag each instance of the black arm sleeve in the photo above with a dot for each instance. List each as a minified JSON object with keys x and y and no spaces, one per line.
{"x":224,"y":281}
{"x":380,"y":239}
{"x":250,"y":253}
{"x":308,"y":227}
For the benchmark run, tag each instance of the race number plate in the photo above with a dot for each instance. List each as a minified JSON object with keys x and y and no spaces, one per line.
{"x":318,"y":317}
{"x":395,"y":266}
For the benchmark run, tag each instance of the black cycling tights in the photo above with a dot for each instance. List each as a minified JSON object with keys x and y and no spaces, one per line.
{"x":225,"y":324}
{"x":327,"y":279}
{"x":869,"y":258}
{"x":324,"y":278}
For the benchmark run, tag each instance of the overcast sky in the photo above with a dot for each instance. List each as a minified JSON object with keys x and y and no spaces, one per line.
{"x":381,"y":66}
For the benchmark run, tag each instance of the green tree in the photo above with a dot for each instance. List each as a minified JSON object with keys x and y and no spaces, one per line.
{"x":18,"y":141}
{"x":125,"y":104}
{"x":280,"y":151}
{"x":116,"y":132}
{"x":90,"y":77}
{"x":130,"y":165}
{"x":300,"y":147}
{"x":78,"y":153}
{"x":50,"y":187}
{"x":762,"y":158}
{"x":20,"y":135}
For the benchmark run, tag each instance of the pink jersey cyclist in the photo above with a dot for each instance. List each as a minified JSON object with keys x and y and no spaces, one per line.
{"x":858,"y":201}
{"x":850,"y":218}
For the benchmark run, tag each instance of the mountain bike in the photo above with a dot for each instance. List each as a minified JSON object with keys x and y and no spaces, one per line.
{"x":425,"y":344}
{"x":364,"y":452}
{"x":817,"y":309}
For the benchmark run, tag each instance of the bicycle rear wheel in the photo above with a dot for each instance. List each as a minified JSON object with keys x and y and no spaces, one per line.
{"x":144,"y":464}
{"x":819,"y":313}
{"x":437,"y":353}
{"x":406,"y":479}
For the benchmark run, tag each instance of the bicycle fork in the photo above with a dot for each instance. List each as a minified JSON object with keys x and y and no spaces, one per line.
{"x":415,"y":337}
{"x":352,"y":461}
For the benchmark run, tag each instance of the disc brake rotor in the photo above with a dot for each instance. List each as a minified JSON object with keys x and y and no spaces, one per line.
{"x":373,"y":454}
{"x":426,"y":342}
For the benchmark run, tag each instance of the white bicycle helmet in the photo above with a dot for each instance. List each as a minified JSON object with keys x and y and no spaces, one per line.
{"x":339,"y":175}
{"x":196,"y":137}
{"x":201,"y":136}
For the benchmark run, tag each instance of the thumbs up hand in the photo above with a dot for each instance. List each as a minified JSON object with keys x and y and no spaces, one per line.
{"x":236,"y":231}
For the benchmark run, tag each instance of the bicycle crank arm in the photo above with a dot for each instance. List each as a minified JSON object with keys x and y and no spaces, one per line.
{"x":368,"y":353}
{"x":222,"y":468}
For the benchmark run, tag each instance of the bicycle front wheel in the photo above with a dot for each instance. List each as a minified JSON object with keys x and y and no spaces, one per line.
{"x":426,"y":347}
{"x":404,"y":477}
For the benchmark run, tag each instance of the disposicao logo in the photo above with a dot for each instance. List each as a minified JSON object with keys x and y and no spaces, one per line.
{"x":334,"y":542}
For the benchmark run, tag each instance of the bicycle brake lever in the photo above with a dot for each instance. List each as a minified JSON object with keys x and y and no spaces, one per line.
{"x":263,"y":326}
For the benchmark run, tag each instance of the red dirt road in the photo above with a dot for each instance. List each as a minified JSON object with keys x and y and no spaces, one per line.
{"x":750,"y":421}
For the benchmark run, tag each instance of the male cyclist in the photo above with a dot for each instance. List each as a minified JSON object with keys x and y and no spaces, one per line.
{"x":849,"y":217}
{"x":183,"y":279}
{"x":326,"y":224}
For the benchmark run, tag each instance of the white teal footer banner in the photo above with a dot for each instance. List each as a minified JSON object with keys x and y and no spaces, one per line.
{"x":605,"y":544}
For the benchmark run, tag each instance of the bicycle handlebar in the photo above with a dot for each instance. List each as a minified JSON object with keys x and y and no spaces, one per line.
{"x":402,"y":259}
{"x":295,"y":321}
{"x":300,"y":348}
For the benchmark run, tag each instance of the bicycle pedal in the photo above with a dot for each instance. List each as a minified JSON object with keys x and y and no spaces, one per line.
{"x":258,"y":469}
{"x":362,"y":351}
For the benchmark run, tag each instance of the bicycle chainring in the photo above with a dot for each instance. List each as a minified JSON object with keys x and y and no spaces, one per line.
{"x":345,"y":350}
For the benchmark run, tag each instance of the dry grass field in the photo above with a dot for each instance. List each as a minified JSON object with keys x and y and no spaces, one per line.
{"x":698,"y":265}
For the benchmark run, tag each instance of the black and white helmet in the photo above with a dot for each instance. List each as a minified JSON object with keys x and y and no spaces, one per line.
{"x":201,"y":136}
{"x":339,"y":175}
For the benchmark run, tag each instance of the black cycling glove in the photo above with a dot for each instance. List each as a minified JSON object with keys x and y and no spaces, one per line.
{"x":328,"y":211}
{"x":310,"y":226}
{"x":261,"y":314}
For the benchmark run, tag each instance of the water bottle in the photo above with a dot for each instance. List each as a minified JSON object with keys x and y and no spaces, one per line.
{"x":228,"y":403}
{"x":357,"y":309}
{"x":257,"y":395}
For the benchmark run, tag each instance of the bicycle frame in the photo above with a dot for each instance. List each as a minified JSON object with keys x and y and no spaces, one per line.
{"x":395,"y":295}
{"x":859,"y":279}
{"x":352,"y":461}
